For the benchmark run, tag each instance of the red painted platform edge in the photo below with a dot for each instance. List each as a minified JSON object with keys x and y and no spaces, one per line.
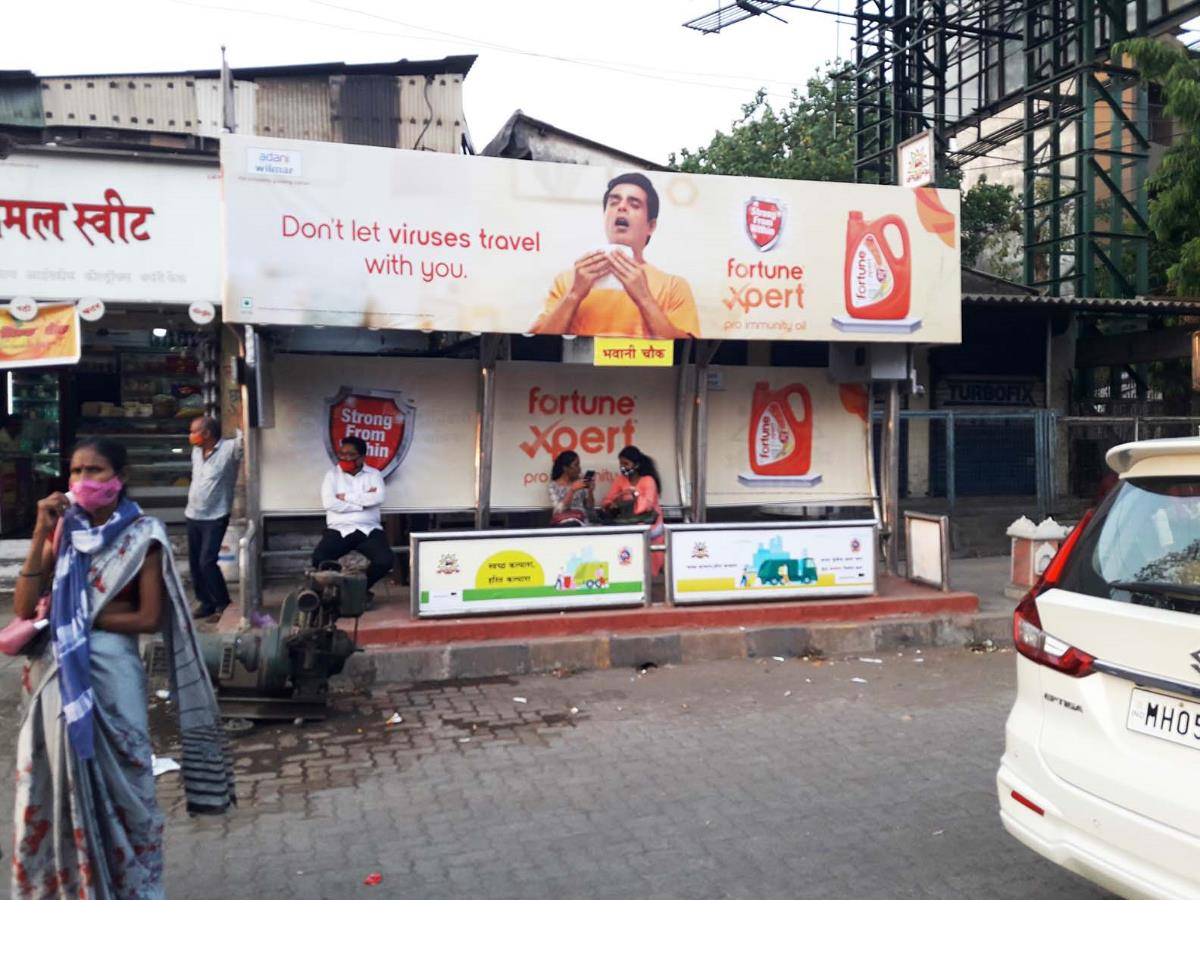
{"x":432,"y":632}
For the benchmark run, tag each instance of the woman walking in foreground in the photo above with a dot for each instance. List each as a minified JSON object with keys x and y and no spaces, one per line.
{"x":87,"y":821}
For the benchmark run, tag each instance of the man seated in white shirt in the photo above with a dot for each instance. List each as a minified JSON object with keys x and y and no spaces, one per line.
{"x":352,"y":494}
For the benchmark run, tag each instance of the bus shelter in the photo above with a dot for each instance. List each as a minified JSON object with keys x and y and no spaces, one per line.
{"x":362,"y":276}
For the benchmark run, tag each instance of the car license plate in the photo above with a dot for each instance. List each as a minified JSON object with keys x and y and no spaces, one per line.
{"x":1165,"y":717}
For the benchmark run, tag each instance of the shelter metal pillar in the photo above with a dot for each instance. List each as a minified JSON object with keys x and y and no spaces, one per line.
{"x":489,"y":351}
{"x":705,"y":350}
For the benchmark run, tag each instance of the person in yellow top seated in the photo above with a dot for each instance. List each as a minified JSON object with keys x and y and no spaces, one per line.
{"x":641,"y":301}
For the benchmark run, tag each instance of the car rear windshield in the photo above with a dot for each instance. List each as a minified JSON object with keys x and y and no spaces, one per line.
{"x":1144,"y":546}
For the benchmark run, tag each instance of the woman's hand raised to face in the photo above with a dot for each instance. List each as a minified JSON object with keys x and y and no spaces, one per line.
{"x":49,"y":510}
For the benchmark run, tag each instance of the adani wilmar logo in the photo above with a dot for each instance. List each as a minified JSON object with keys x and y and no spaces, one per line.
{"x":384,"y":420}
{"x":567,"y":428}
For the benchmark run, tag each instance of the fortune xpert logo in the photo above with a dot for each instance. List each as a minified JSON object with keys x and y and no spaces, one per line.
{"x":615,"y":432}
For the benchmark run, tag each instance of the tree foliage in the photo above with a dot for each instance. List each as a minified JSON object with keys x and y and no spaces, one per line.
{"x":1175,"y":187}
{"x":990,"y":214}
{"x":811,"y":138}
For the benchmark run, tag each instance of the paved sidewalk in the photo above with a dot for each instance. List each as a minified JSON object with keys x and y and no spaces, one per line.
{"x":736,"y":778}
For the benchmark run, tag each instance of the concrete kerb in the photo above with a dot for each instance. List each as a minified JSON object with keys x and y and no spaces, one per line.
{"x":460,"y":661}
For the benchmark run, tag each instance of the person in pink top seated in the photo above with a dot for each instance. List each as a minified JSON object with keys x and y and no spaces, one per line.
{"x":634,"y":493}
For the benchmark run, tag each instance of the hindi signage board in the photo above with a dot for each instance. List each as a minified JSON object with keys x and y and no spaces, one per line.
{"x":486,"y":572}
{"x":762,"y":562}
{"x":377,"y":237}
{"x":607,"y":352}
{"x":50,"y":337}
{"x":117,"y":230}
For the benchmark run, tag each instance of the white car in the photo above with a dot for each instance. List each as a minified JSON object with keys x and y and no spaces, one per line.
{"x":1101,"y":766}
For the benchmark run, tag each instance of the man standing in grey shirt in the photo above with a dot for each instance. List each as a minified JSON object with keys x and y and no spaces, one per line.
{"x":210,"y":498}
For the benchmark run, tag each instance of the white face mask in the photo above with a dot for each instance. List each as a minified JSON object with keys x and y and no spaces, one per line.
{"x":627,"y":471}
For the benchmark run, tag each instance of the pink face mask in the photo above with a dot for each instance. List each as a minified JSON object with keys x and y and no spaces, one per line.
{"x":94,"y":495}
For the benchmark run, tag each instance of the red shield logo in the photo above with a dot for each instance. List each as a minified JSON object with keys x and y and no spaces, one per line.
{"x":382,"y":419}
{"x":764,"y":222}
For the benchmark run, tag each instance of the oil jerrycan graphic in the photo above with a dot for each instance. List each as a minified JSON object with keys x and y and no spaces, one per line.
{"x":780,"y":438}
{"x":877,"y":280}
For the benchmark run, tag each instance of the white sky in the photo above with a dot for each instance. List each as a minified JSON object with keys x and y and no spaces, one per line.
{"x":662,"y":86}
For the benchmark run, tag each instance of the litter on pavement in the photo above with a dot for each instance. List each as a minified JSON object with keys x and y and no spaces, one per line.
{"x":521,"y":700}
{"x":163,"y":764}
{"x":780,"y":659}
{"x":858,"y":680}
{"x":574,"y":711}
{"x":374,"y":878}
{"x":870,"y":660}
{"x":918,"y":660}
{"x":395,"y":719}
{"x":163,"y":694}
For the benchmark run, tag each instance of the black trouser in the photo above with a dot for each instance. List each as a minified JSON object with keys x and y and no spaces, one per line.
{"x":374,"y":547}
{"x":204,"y":544}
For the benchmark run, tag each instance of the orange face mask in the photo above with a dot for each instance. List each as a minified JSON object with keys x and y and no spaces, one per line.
{"x":195,"y":438}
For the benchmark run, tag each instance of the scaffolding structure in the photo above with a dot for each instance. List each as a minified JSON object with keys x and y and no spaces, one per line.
{"x":988,"y":76}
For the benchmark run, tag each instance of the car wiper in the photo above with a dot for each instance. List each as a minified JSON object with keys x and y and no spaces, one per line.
{"x":1157,"y":588}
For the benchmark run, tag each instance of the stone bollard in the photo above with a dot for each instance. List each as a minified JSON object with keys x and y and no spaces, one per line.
{"x":1033,"y":546}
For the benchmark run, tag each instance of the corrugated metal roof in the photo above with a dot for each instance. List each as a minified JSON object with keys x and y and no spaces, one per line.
{"x":524,"y":138}
{"x":1161,"y":306}
{"x":366,"y":109}
{"x":208,"y":106}
{"x":294,"y":108}
{"x":154,"y":103}
{"x":436,"y":124}
{"x":21,"y":100}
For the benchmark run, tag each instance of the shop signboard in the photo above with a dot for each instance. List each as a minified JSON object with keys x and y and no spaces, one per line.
{"x":761,"y":562}
{"x":378,"y":237}
{"x":106,"y":228}
{"x":51,"y":337}
{"x":486,"y":572}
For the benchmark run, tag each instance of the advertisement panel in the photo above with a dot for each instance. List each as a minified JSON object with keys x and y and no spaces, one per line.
{"x":487,"y":572}
{"x":786,"y":435}
{"x":354,"y":235}
{"x":544,"y":409}
{"x":417,"y":416}
{"x":113,"y":229}
{"x":760,"y":562}
{"x":51,"y":337}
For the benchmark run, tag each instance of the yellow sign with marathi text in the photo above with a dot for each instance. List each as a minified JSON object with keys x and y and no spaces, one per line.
{"x":612,"y":352}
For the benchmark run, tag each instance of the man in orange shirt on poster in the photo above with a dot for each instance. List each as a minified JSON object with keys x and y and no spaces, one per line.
{"x":616,"y":292}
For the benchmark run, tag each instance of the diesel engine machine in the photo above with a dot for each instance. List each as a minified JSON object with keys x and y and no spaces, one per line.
{"x":282,"y":672}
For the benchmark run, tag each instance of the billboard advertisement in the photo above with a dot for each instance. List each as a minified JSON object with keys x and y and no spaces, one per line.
{"x":489,"y":572}
{"x":114,"y":229}
{"x":758,"y":562}
{"x":416,"y":415}
{"x":343,"y":235}
{"x":786,"y":435}
{"x":775,"y":435}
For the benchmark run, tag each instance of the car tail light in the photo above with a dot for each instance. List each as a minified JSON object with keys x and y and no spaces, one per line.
{"x":1028,"y":636}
